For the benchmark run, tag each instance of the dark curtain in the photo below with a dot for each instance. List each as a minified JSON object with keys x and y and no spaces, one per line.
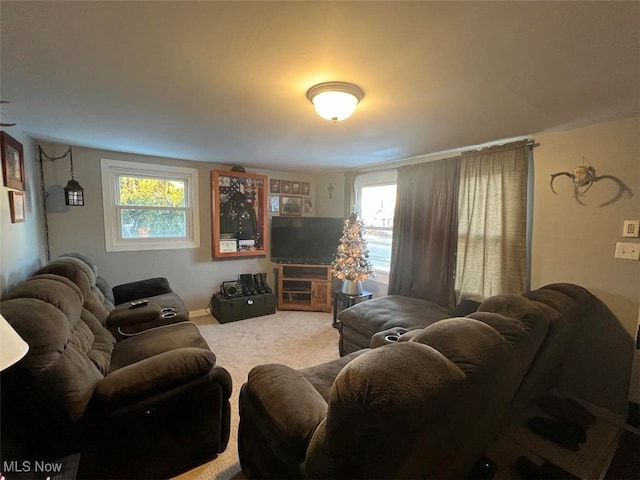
{"x":425,"y":232}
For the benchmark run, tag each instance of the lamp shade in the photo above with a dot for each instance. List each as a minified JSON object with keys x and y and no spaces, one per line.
{"x":12,"y":346}
{"x":335,"y":101}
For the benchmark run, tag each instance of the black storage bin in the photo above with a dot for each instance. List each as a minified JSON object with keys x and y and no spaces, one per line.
{"x":238,"y":308}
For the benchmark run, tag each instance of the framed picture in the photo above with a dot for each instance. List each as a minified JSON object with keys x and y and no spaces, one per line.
{"x":290,"y":205}
{"x":285,"y":187}
{"x":274,"y":203}
{"x":246,"y":245}
{"x":295,"y":188}
{"x":12,"y":162}
{"x":306,"y":188}
{"x":16,"y":205}
{"x":307,"y":205}
{"x":274,"y":185}
{"x":239,"y":223}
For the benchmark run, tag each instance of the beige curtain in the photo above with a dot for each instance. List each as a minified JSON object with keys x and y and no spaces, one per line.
{"x":349,"y":193}
{"x":492,"y":214}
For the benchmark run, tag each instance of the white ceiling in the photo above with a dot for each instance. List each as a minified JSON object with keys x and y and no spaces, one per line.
{"x":225,"y":82}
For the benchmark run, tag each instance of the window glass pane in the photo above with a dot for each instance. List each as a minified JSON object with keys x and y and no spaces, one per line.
{"x":155,"y":192}
{"x":377,"y":204}
{"x":156,"y":223}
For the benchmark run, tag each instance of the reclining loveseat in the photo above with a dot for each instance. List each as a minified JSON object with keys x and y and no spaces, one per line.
{"x":151,"y":403}
{"x":424,"y":405}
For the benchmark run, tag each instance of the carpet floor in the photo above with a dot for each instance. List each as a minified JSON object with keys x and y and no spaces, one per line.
{"x":295,"y":339}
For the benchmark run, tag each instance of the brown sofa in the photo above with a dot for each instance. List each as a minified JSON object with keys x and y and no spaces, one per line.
{"x":424,"y":406}
{"x":398,"y":313}
{"x":148,"y":405}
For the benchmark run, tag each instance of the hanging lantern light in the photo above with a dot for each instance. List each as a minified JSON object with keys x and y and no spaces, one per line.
{"x":73,"y":192}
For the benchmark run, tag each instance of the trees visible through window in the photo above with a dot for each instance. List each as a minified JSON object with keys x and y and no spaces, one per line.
{"x":152,"y":207}
{"x":149,"y":206}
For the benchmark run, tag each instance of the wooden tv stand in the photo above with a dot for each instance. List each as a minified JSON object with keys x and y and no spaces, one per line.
{"x":304,"y":287}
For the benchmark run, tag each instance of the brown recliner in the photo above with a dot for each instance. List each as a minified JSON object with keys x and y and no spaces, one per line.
{"x":423,"y":407}
{"x":149,"y":406}
{"x":111,"y":305}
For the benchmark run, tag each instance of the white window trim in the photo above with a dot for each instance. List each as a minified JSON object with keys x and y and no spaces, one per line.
{"x":371,"y":179}
{"x":114,"y":242}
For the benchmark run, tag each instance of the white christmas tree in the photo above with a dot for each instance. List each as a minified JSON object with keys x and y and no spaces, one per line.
{"x":352,"y":258}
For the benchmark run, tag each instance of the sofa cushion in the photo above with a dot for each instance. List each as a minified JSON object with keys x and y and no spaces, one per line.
{"x":140,"y":289}
{"x":155,"y":341}
{"x":82,"y":275}
{"x":58,"y":356}
{"x":322,"y":376}
{"x":465,"y":307}
{"x":391,"y":311}
{"x":445,"y":337}
{"x":288,"y":420}
{"x":122,"y":315}
{"x":377,"y":409}
{"x":153,"y":375}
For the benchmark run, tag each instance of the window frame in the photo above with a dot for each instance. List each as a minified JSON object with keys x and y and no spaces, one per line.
{"x":111,"y":170}
{"x":374,"y":179}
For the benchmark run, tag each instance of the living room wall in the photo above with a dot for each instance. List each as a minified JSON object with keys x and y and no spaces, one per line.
{"x":191,"y":272}
{"x":575,"y":243}
{"x":21,"y":244}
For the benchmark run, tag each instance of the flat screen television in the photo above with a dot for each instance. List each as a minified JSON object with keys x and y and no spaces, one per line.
{"x":312,"y":240}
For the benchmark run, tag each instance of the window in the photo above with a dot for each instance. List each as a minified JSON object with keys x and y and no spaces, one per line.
{"x":149,"y":207}
{"x":376,"y":201}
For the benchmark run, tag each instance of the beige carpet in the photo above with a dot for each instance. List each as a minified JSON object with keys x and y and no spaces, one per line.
{"x":296,"y":339}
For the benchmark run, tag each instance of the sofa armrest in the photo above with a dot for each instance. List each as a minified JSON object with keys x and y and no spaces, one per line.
{"x":287,"y":402}
{"x":153,"y":375}
{"x":140,"y":289}
{"x":123,"y":316}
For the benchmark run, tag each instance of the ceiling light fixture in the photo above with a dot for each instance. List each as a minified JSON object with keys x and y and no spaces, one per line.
{"x":335,"y":101}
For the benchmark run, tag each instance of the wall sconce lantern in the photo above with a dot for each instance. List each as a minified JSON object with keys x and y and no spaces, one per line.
{"x":335,"y":101}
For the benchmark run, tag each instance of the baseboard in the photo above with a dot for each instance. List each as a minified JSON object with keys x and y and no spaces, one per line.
{"x":199,"y":313}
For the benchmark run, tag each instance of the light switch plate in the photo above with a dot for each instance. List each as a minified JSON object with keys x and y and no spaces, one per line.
{"x":631,"y":228}
{"x":628,"y":251}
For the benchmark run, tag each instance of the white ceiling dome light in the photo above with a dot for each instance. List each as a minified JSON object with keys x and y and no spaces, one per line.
{"x":335,"y":101}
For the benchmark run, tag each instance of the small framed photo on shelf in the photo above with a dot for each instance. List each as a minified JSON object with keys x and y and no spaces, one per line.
{"x":274,"y":185}
{"x":16,"y":205}
{"x":12,"y":162}
{"x":290,"y":205}
{"x":274,"y":203}
{"x":244,"y":245}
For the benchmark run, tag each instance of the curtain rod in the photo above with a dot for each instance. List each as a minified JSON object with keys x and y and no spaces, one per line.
{"x":530,"y":143}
